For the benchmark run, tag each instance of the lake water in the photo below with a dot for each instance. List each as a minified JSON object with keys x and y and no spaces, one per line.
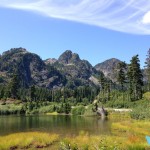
{"x":63,"y":125}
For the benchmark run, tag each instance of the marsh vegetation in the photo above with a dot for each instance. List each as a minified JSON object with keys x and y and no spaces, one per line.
{"x":125,"y":134}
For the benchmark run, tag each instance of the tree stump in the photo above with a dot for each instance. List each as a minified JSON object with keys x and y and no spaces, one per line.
{"x":102,"y":112}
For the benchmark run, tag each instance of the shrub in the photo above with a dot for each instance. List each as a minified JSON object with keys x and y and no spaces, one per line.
{"x":79,"y":110}
{"x":89,"y":111}
{"x":10,"y":109}
{"x":141,"y":110}
{"x":146,"y":96}
{"x":46,"y":109}
{"x":119,"y":103}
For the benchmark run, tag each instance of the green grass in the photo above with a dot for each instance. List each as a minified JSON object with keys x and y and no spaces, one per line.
{"x":78,"y":110}
{"x":27,"y":140}
{"x":10,"y":109}
{"x":127,"y":134}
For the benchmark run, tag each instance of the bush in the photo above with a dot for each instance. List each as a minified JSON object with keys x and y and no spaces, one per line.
{"x":119,"y":103}
{"x":141,"y":110}
{"x":79,"y":110}
{"x":64,"y":108}
{"x":10,"y":109}
{"x":146,"y":96}
{"x":89,"y":111}
{"x":46,"y":109}
{"x":34,"y":111}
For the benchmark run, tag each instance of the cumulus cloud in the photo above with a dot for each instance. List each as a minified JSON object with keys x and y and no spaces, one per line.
{"x":130,"y":16}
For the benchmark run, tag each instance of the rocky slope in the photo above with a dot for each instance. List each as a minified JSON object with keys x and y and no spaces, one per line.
{"x":109,"y":68}
{"x":78,"y":72}
{"x":69,"y":70}
{"x":31,"y":69}
{"x":50,"y":61}
{"x":66,"y":71}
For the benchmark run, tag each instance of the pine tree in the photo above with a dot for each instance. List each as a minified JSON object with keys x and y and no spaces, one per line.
{"x":2,"y":92}
{"x":105,"y":88}
{"x":67,"y":108}
{"x":14,"y":86}
{"x":121,"y":74}
{"x":32,"y":92}
{"x":102,"y":81}
{"x":135,"y":78}
{"x":102,"y":86}
{"x":147,"y":69}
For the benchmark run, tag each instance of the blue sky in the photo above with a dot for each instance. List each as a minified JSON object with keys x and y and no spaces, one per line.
{"x":95,"y":29}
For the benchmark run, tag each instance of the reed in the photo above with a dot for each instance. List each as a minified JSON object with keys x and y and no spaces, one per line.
{"x":27,"y":140}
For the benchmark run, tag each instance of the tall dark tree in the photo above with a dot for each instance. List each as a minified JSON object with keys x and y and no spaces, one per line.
{"x":102,"y":81}
{"x":32,"y":92}
{"x":147,"y":69}
{"x":105,"y":88}
{"x":14,"y":86}
{"x":102,"y":85}
{"x":135,"y":78}
{"x":121,"y":78}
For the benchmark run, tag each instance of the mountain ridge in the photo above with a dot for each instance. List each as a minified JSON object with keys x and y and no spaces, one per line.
{"x":68,"y":70}
{"x":109,"y":67}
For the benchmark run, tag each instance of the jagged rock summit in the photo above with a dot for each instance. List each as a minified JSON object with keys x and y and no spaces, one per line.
{"x":30,"y":67}
{"x":77,"y":71}
{"x":50,"y":61}
{"x":69,"y":70}
{"x":68,"y":57}
{"x":109,"y":67}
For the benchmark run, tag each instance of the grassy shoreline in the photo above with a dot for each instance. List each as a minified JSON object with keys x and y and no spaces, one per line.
{"x":126,"y":134}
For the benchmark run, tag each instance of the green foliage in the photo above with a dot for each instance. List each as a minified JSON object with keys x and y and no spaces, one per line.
{"x":78,"y":110}
{"x":147,"y":70}
{"x":146,"y":96}
{"x":14,"y":86}
{"x":32,"y":93}
{"x":135,"y":78}
{"x":119,"y":103}
{"x":11,"y":109}
{"x":89,"y":111}
{"x":136,"y":147}
{"x":121,"y":74}
{"x":47,"y":109}
{"x":28,"y":140}
{"x":118,"y":99}
{"x":141,"y":110}
{"x":64,"y":108}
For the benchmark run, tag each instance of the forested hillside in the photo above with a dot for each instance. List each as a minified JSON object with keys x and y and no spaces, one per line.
{"x":69,"y":81}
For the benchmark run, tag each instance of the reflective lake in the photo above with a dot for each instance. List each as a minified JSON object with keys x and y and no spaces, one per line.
{"x":62,"y":125}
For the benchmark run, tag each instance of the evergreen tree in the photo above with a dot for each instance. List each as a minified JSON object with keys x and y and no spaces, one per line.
{"x":67,"y":108}
{"x":32,"y":92}
{"x":147,"y":69}
{"x":135,"y":78}
{"x":2,"y":92}
{"x":121,"y":74}
{"x":102,"y":81}
{"x":102,"y":86}
{"x":105,"y":88}
{"x":14,"y":86}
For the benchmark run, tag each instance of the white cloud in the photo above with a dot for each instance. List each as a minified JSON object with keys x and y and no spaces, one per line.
{"x":146,"y":18}
{"x":128,"y":16}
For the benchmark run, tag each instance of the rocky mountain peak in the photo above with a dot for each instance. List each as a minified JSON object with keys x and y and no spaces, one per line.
{"x":68,"y":57}
{"x":50,"y":61}
{"x":15,"y":51}
{"x":108,"y":67}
